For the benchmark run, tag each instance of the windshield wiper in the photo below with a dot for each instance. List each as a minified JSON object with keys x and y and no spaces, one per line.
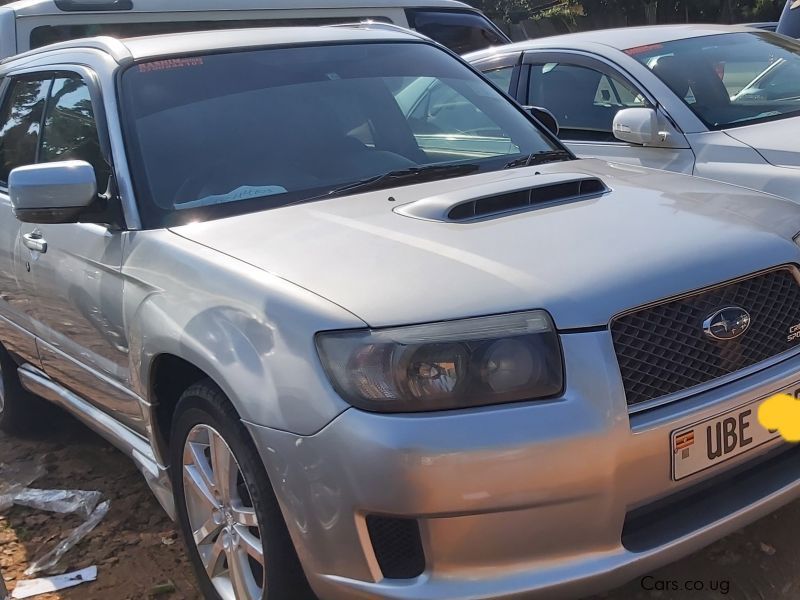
{"x":538,"y":158}
{"x":403,"y":176}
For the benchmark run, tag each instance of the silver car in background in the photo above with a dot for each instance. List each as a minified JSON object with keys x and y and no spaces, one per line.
{"x":367,"y":348}
{"x":716,"y":101}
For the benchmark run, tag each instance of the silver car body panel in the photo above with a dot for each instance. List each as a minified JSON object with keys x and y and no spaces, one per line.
{"x":512,"y":487}
{"x":512,"y":500}
{"x":517,"y":262}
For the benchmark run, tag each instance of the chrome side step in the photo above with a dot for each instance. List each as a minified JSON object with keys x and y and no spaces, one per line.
{"x":129,"y":442}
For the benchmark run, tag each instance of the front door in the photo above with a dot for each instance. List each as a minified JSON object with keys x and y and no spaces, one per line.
{"x":75,"y":268}
{"x":585,"y":96}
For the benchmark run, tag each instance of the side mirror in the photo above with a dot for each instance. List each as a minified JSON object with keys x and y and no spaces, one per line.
{"x":636,"y":126}
{"x":52,"y":192}
{"x":545,"y":117}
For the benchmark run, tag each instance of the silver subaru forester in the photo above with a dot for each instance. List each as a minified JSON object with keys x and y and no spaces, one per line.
{"x":364,"y":324}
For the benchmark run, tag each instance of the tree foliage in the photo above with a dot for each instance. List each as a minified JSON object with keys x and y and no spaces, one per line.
{"x":635,"y":11}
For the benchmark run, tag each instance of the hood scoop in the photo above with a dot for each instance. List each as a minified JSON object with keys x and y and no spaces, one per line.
{"x":504,"y":197}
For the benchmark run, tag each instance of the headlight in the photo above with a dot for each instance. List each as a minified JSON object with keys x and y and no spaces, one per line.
{"x":456,"y":364}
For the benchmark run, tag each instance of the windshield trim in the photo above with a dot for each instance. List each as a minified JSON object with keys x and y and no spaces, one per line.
{"x":134,"y":154}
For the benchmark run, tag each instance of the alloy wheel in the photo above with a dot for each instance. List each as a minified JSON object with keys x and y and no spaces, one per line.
{"x":223,"y":520}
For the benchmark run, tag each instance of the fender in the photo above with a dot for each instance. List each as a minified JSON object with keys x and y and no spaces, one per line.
{"x":249,"y":331}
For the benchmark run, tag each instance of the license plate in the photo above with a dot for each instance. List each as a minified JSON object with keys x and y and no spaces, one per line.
{"x":715,"y":440}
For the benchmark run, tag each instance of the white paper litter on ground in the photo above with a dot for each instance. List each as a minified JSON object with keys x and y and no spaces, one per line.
{"x":34,"y":587}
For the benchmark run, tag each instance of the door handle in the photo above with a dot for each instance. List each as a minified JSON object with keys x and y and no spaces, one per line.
{"x":35,"y":242}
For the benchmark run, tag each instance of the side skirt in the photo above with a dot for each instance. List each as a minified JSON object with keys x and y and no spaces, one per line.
{"x":130,"y":443}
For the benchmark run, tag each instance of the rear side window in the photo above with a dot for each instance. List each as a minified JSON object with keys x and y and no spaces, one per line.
{"x":462,"y":32}
{"x":70,"y":130}
{"x":20,"y":124}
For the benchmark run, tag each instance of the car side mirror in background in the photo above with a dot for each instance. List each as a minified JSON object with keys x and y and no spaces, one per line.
{"x":545,"y":117}
{"x":52,"y":192}
{"x":636,"y":126}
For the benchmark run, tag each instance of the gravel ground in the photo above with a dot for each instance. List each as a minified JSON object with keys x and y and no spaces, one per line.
{"x":137,"y":549}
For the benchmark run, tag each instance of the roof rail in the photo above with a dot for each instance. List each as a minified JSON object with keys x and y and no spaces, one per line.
{"x":380,"y":25}
{"x":112,"y":46}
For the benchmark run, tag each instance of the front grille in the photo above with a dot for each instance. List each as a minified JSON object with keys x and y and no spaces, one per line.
{"x":397,"y":545}
{"x":662,"y":349}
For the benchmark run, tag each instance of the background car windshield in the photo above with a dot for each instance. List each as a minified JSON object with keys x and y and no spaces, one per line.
{"x":222,"y":134}
{"x":730,"y":79}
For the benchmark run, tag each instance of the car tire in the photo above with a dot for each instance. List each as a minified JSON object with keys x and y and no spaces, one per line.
{"x":20,"y":411}
{"x":206,"y":424}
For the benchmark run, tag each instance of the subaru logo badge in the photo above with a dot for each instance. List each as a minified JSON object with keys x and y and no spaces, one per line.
{"x":727,"y":324}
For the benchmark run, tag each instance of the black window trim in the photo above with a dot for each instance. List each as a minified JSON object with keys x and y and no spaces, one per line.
{"x":89,"y":77}
{"x":5,"y":87}
{"x":43,"y":119}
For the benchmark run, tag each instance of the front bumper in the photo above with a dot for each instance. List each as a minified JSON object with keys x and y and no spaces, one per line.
{"x":550,"y":499}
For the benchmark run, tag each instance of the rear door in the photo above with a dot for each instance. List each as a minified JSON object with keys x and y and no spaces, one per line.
{"x":585,"y":95}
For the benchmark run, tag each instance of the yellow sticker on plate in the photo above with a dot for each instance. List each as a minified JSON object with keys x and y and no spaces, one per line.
{"x":781,"y":412}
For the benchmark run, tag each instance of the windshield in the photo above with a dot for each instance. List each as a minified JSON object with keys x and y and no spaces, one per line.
{"x":730,"y":79}
{"x":211,"y":136}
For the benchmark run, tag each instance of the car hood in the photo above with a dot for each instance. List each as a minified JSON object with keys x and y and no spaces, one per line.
{"x":653,"y":235}
{"x":773,"y":140}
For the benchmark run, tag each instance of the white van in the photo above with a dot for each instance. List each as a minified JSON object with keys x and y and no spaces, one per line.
{"x":29,"y":24}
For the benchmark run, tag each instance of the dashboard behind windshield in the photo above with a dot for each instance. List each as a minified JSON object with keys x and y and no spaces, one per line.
{"x":222,"y":134}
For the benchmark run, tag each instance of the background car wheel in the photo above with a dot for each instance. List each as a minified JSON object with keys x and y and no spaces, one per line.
{"x":20,"y":411}
{"x":237,"y":540}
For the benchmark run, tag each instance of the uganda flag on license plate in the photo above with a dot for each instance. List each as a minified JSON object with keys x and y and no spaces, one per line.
{"x":683,"y":441}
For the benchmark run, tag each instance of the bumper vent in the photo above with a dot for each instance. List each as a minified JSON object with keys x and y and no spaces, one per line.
{"x":662,"y":349}
{"x":397,"y":545}
{"x":576,"y":189}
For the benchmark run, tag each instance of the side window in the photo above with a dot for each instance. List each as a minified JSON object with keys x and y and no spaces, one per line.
{"x":70,"y":130}
{"x":449,"y":126}
{"x":20,"y":123}
{"x":584,"y":101}
{"x":443,"y":110}
{"x":501,"y":77}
